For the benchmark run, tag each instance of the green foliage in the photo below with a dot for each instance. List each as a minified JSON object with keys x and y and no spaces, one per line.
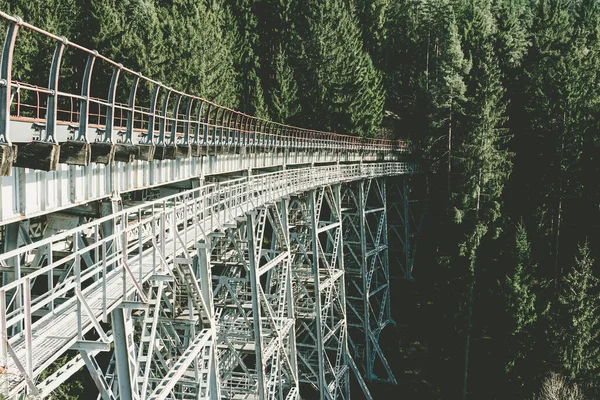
{"x":373,"y":16}
{"x":283,"y":93}
{"x":577,"y":328}
{"x":242,"y":22}
{"x":341,"y":89}
{"x":519,"y":290}
{"x":129,"y":31}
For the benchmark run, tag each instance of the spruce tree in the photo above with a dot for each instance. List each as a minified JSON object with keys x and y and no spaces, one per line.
{"x":129,"y":32}
{"x":577,"y":324}
{"x":341,"y":89}
{"x":279,"y":49}
{"x":447,"y":83}
{"x":482,"y":161}
{"x":559,"y":77}
{"x":242,"y":21}
{"x":514,"y":19}
{"x":373,"y":16}
{"x":283,"y":94}
{"x":198,"y":61}
{"x":405,"y":63}
{"x":520,"y":303}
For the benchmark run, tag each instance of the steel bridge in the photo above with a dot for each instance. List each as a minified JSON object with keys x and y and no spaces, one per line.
{"x":206,"y":253}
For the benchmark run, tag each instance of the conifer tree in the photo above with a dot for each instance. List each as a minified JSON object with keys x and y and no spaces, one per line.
{"x":520,"y":300}
{"x":279,"y":49}
{"x":577,"y":324}
{"x":373,"y":16}
{"x":341,"y":89}
{"x":199,"y":61}
{"x":242,"y":21}
{"x":558,"y":79}
{"x":405,"y":62}
{"x":129,"y":32}
{"x":482,"y":160}
{"x":447,"y":82}
{"x":514,"y":19}
{"x":283,"y":93}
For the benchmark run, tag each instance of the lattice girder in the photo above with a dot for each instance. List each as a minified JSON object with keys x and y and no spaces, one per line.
{"x":367,"y":274}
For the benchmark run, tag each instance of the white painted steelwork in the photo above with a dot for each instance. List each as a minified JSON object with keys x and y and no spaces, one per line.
{"x":28,"y":193}
{"x":107,"y":268}
{"x":229,"y":290}
{"x":367,"y":274}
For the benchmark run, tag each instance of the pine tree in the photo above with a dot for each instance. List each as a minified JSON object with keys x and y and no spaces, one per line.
{"x":405,"y":63}
{"x":373,"y":16}
{"x":341,"y":89}
{"x":520,"y":299}
{"x":279,"y":49}
{"x":129,"y":32}
{"x":199,"y":61}
{"x":577,"y":325}
{"x":242,"y":21}
{"x":481,"y":158}
{"x":560,"y":102}
{"x":514,"y":19}
{"x":283,"y":94}
{"x":447,"y":83}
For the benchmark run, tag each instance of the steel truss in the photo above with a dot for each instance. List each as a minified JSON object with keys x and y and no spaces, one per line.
{"x":227,"y":290}
{"x":318,"y":269}
{"x":406,"y":211}
{"x":250,"y":263}
{"x":367,"y":275}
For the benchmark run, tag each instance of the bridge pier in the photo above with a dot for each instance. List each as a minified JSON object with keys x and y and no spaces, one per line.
{"x":406,"y":212}
{"x":367,"y":275}
{"x":250,"y":262}
{"x":316,"y":240}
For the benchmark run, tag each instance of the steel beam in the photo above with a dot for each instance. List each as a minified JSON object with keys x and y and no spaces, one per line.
{"x":367,"y":274}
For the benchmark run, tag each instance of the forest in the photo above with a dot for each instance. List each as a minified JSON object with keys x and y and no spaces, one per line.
{"x":501,"y":100}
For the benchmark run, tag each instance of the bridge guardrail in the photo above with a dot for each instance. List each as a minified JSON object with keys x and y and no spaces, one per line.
{"x":170,"y":124}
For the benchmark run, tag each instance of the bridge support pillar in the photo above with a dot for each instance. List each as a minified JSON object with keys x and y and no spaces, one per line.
{"x":255,"y":322}
{"x":318,"y":274}
{"x":125,"y":359}
{"x":406,"y":214}
{"x":367,"y":275}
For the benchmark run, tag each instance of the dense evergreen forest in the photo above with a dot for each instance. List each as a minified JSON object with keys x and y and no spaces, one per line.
{"x":502,"y":99}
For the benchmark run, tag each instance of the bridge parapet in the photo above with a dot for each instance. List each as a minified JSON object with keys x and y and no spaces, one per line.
{"x":43,"y":125}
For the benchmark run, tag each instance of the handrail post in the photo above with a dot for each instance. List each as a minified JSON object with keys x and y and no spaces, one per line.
{"x":173,"y":138}
{"x":52,"y":106}
{"x":131,"y":110}
{"x":6,"y":80}
{"x":112,"y":90}
{"x":27,"y":326}
{"x":187,"y":123}
{"x":84,"y":103}
{"x":163,"y":119}
{"x":149,"y":139}
{"x":206,"y":125}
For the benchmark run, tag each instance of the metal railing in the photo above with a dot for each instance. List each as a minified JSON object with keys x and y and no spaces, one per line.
{"x":167,"y":117}
{"x":99,"y":274}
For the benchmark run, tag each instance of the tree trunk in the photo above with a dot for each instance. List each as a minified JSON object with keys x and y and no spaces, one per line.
{"x":449,"y":152}
{"x":559,"y":207}
{"x":471,"y":298}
